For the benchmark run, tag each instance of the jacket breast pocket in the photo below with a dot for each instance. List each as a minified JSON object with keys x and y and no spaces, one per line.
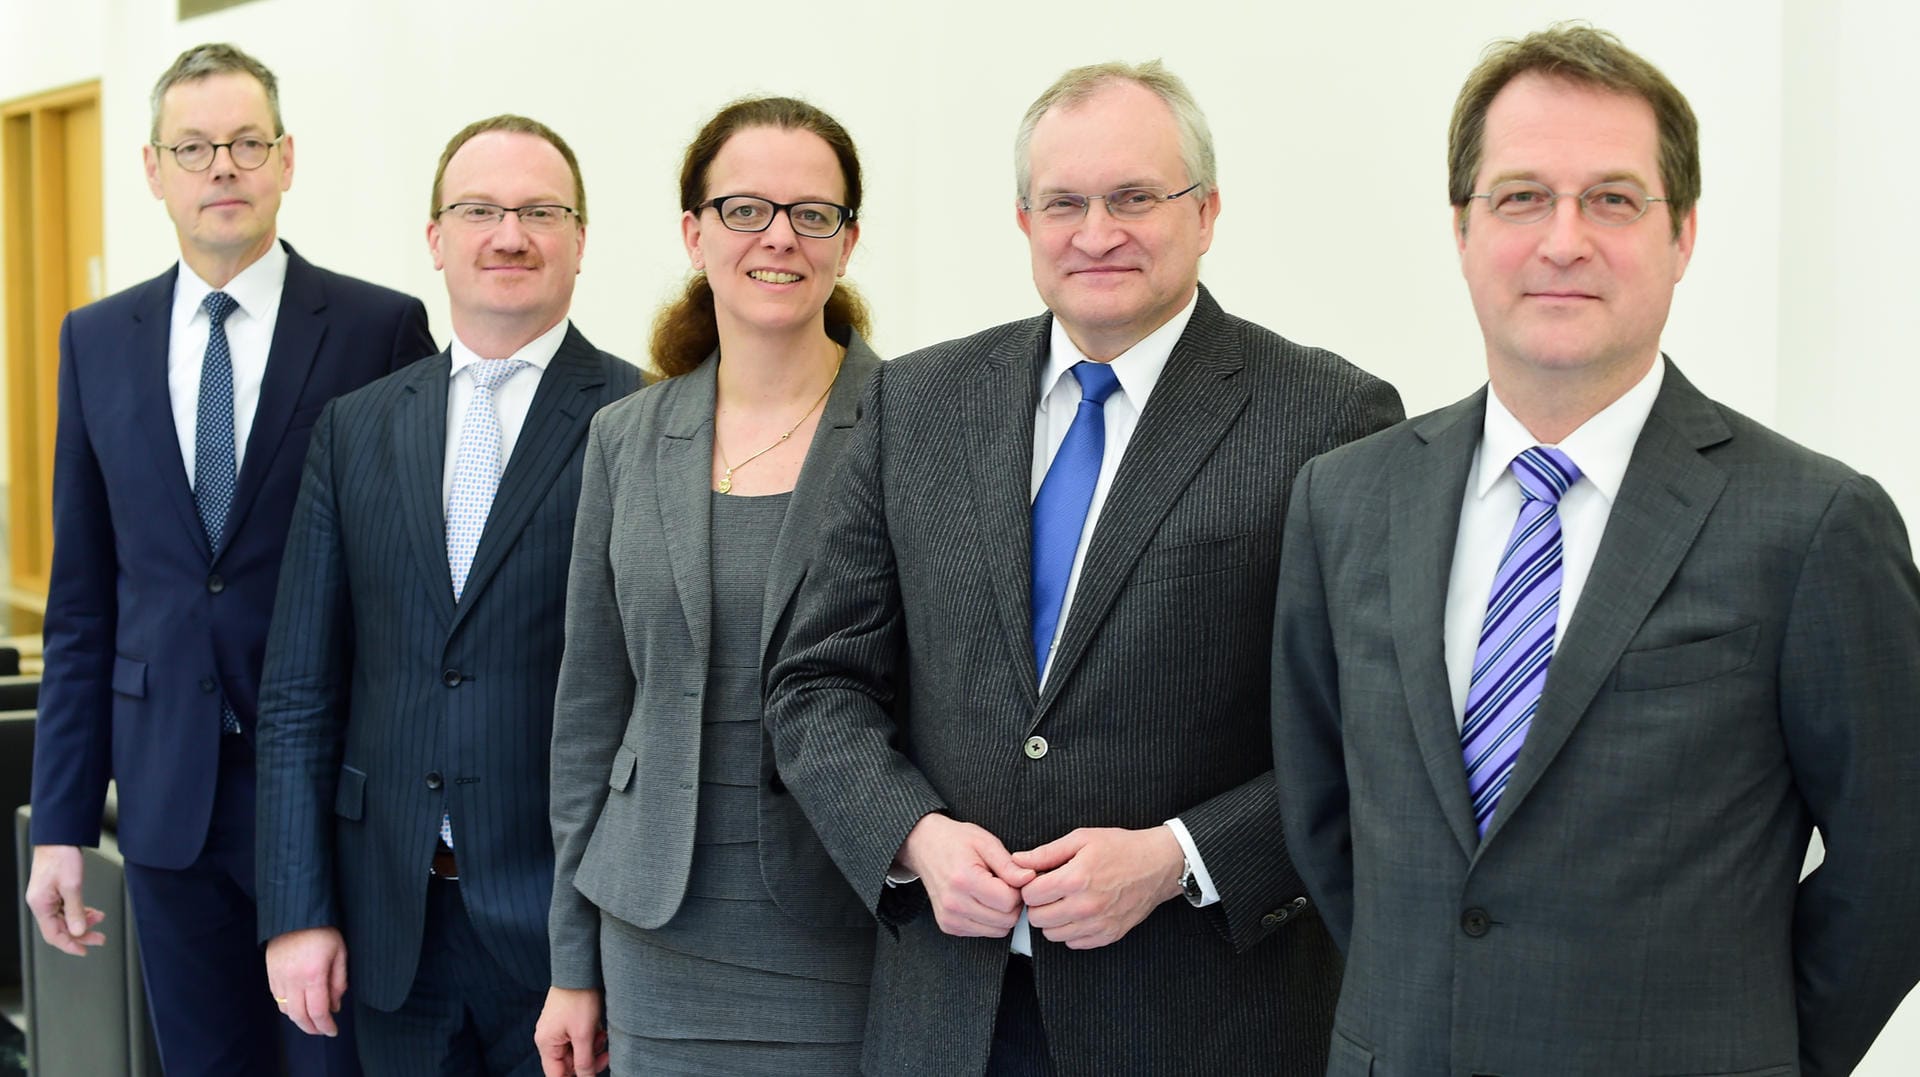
{"x":130,"y":677}
{"x":624,"y":762}
{"x":1687,"y":663}
{"x":1198,"y":558}
{"x":350,"y":797}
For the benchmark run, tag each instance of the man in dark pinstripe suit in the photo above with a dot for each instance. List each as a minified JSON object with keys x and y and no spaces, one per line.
{"x":408,"y":697}
{"x":1069,"y":831}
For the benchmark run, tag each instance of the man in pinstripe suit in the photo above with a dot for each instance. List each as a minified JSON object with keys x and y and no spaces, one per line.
{"x":1033,"y":736}
{"x":407,"y":703}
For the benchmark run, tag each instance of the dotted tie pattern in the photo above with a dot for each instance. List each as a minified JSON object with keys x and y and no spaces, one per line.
{"x":214,"y":448}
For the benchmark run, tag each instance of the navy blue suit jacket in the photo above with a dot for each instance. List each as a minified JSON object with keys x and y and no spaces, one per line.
{"x":385,"y":702}
{"x":149,"y":626}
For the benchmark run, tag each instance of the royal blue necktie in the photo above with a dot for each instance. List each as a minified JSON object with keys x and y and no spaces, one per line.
{"x":214,"y":469}
{"x":1060,"y":508}
{"x":1516,"y":638}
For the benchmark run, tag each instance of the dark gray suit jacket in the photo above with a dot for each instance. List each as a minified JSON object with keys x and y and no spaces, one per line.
{"x":627,"y":721}
{"x":1743,"y":664}
{"x":384,"y":702}
{"x":909,"y":687}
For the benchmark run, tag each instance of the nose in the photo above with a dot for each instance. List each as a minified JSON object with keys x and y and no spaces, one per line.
{"x":1568,"y":237}
{"x":217,"y":169}
{"x":779,"y":233}
{"x":509,"y":234}
{"x":1098,"y":232}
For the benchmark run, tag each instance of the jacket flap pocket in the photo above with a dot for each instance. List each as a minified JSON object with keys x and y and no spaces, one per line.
{"x":624,"y":760}
{"x":1686,"y":663}
{"x":349,"y":799}
{"x":130,"y":677}
{"x":1348,"y":1058}
{"x":1158,"y":562}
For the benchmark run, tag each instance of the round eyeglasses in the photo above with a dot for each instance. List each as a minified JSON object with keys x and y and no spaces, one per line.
{"x":539,"y":218}
{"x":748,"y":213}
{"x":1612,"y":204}
{"x":1126,"y":203}
{"x":196,"y":154}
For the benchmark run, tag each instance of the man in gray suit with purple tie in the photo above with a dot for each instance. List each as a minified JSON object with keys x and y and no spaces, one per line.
{"x":1566,"y":673}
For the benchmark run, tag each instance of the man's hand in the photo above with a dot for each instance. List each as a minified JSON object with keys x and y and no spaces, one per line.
{"x":307,"y":971}
{"x":53,"y":896}
{"x":971,"y":880}
{"x":1095,"y":884}
{"x":568,"y":1034}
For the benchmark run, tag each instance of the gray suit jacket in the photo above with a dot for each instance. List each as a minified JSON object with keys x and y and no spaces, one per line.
{"x":385,"y":702}
{"x":1743,"y":664}
{"x":909,"y":687}
{"x":626,"y":726}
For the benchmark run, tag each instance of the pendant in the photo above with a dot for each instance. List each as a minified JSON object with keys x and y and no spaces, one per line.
{"x":725,"y":485}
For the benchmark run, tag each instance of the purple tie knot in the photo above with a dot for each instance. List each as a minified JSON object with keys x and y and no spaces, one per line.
{"x":1544,"y":474}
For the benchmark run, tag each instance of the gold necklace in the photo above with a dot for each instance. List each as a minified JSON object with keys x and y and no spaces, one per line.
{"x":725,"y":485}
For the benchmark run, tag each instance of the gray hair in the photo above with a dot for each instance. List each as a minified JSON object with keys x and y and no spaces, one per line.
{"x":202,"y":61}
{"x":1081,"y":83}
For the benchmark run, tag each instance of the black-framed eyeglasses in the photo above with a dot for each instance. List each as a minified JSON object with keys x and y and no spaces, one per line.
{"x":750,"y":213}
{"x":542,"y":217}
{"x":1125,"y":203}
{"x":1613,"y":204}
{"x":196,"y":154}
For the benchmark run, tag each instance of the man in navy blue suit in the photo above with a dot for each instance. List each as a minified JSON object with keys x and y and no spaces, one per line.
{"x":407,"y":703}
{"x":185,"y":408}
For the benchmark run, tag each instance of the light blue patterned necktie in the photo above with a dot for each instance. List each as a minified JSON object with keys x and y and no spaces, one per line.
{"x":1060,"y":508}
{"x":214,"y":449}
{"x":1516,"y":637}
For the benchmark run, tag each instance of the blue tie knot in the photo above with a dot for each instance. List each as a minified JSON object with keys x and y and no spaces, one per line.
{"x":1544,"y":474}
{"x":490,"y":374}
{"x":219,"y":305}
{"x":1097,"y":381}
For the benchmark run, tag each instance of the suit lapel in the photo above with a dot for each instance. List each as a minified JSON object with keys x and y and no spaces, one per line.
{"x":794,"y":545}
{"x":683,"y":484}
{"x":562,"y":407}
{"x":1665,"y":497}
{"x":998,"y":426}
{"x":297,"y":334}
{"x":149,"y":341}
{"x":419,"y":437}
{"x":1198,"y":397}
{"x":1424,"y":515}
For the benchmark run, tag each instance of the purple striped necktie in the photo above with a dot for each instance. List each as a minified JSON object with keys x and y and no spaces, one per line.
{"x":1516,"y":639}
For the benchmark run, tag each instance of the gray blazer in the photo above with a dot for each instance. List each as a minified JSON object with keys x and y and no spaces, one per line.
{"x":908,"y":686}
{"x":1743,"y":664}
{"x":626,"y":727}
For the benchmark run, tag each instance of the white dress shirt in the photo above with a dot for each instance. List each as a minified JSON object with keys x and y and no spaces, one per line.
{"x":256,"y":291}
{"x":1600,"y":448}
{"x":511,"y":401}
{"x":1138,"y":370}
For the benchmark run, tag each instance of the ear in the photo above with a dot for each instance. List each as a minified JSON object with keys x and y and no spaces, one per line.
{"x":286,"y":162}
{"x":690,"y":235}
{"x":1021,"y":218}
{"x":1683,"y":243}
{"x":434,"y":236}
{"x":150,"y":163}
{"x":1457,"y":224}
{"x":1209,"y":209}
{"x":846,"y":251}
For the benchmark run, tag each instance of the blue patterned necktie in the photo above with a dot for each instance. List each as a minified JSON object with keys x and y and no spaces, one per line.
{"x":1060,"y":508}
{"x":476,"y":467}
{"x":1516,"y":638}
{"x":214,"y":469}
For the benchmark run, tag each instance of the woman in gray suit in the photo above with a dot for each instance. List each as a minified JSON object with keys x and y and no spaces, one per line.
{"x":693,"y":907}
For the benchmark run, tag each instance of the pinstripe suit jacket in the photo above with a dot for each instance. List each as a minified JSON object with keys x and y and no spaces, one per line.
{"x":908,"y":686}
{"x":1741,"y":666}
{"x":385,"y":703}
{"x":626,"y":724}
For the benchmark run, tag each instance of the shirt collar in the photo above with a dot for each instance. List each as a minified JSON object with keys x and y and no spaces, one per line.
{"x":1138,"y":368}
{"x":256,"y":289}
{"x":1601,"y":447}
{"x":536,"y":353}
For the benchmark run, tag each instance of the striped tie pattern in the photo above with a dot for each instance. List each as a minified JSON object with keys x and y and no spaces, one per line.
{"x":1060,"y":508}
{"x":215,"y":470}
{"x":1516,"y":638}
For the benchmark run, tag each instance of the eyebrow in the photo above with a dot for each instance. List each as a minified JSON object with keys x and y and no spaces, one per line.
{"x":242,"y":131}
{"x":1124,"y":185}
{"x":1616,"y":176}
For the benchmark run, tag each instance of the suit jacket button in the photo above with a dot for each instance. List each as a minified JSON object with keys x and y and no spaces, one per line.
{"x":215,"y":584}
{"x":1475,"y":922}
{"x":1275,"y":918}
{"x":1036,"y":747}
{"x":433,"y":779}
{"x":451,"y":678}
{"x":206,"y":685}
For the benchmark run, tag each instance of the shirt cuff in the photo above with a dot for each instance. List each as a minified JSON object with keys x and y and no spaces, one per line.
{"x":1208,"y":895}
{"x":899,"y":876}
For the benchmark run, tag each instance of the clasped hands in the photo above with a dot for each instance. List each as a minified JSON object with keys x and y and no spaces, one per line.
{"x":1083,"y":890}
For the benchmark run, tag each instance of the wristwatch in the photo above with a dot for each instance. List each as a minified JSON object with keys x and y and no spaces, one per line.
{"x":1189,"y":884}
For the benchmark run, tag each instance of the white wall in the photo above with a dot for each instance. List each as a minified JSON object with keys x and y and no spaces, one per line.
{"x":1799,"y":307}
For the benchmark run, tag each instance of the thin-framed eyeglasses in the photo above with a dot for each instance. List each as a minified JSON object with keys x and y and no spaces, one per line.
{"x":196,"y":154}
{"x":1613,"y":204}
{"x":1127,"y":203}
{"x":541,"y":217}
{"x":750,"y":213}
